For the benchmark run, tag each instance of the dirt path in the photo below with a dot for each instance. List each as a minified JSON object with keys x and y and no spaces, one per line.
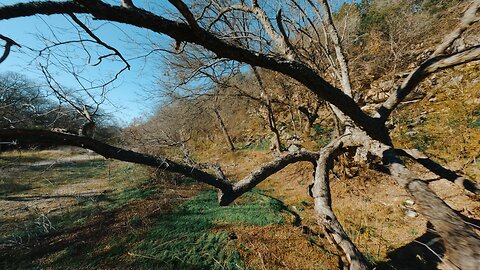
{"x":44,"y":195}
{"x":63,"y":160}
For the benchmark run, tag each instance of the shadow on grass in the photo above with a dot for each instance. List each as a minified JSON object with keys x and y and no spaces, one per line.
{"x":12,"y":188}
{"x":18,"y":160}
{"x":182,"y":239}
{"x":81,"y":165}
{"x":423,"y":253}
{"x":86,"y":196}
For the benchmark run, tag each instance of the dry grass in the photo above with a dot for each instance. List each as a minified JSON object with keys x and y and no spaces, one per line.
{"x":284,"y":247}
{"x":449,"y":126}
{"x":370,"y":206}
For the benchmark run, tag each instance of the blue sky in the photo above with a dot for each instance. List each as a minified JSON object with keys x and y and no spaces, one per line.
{"x":127,"y":95}
{"x":131,"y":95}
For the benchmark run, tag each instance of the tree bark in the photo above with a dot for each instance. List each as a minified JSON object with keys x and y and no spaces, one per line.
{"x":461,"y":242}
{"x":324,"y":212}
{"x":268,"y":169}
{"x":341,"y":59}
{"x":441,"y":171}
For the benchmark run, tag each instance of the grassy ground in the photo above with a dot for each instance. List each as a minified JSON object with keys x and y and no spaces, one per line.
{"x":102,"y":214}
{"x":110,"y":215}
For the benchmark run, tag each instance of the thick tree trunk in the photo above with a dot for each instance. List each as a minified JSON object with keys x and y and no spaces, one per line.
{"x":228,"y":139}
{"x":324,"y":212}
{"x":462,"y":244}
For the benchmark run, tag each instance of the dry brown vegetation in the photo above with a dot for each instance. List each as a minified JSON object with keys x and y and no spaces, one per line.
{"x":249,"y":116}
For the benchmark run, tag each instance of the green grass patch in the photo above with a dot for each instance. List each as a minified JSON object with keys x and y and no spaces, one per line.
{"x":475,"y":123}
{"x":193,"y":236}
{"x":8,"y":187}
{"x":182,"y":240}
{"x":18,"y":160}
{"x":48,"y":177}
{"x":322,"y":135}
{"x":263,"y":144}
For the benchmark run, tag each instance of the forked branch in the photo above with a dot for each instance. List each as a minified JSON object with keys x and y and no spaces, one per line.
{"x":228,"y":192}
{"x":8,"y":46}
{"x":416,"y":76}
{"x":268,"y":169}
{"x":437,"y":61}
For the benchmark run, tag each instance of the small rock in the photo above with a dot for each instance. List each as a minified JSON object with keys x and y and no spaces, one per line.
{"x":411,"y":133}
{"x":294,"y":148}
{"x":409,"y":202}
{"x":411,"y":213}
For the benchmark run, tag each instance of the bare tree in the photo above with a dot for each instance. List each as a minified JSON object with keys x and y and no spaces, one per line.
{"x":224,"y":129}
{"x":274,"y":49}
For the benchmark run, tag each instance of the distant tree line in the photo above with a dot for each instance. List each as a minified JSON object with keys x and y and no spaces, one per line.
{"x":25,"y":103}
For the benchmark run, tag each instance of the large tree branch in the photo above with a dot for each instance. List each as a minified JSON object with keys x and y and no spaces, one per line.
{"x":461,"y":242}
{"x":227,"y":192}
{"x":435,"y":62}
{"x":43,"y":137}
{"x":428,"y":67}
{"x":323,"y":206}
{"x":288,"y":47}
{"x":441,"y":171}
{"x":339,"y":52}
{"x":469,"y":18}
{"x":183,"y":32}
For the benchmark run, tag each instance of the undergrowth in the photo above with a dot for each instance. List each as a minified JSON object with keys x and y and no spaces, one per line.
{"x":184,"y":238}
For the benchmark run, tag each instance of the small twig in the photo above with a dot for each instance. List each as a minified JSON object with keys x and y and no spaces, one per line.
{"x":99,"y":41}
{"x":430,"y":249}
{"x":187,"y":14}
